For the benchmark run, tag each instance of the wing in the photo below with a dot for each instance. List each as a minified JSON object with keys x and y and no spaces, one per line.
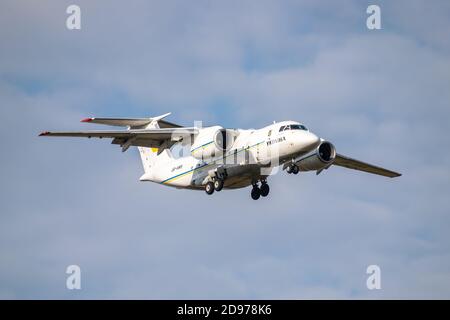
{"x":154,"y":138}
{"x":132,"y":122}
{"x":350,"y":163}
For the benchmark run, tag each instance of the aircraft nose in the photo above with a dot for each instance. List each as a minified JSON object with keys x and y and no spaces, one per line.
{"x":310,"y":140}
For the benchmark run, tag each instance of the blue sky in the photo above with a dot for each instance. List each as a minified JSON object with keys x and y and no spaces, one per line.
{"x":380,"y":96}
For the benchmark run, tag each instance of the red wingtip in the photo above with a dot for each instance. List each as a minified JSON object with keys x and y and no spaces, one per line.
{"x":86,"y":120}
{"x":45,"y":133}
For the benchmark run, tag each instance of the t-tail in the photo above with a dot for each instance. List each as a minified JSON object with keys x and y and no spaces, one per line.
{"x":150,"y":156}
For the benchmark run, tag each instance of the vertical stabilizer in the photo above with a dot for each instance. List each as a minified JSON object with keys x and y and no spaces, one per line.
{"x":151,"y":156}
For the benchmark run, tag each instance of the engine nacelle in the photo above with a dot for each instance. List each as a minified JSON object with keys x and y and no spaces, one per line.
{"x":320,"y":158}
{"x":213,"y":142}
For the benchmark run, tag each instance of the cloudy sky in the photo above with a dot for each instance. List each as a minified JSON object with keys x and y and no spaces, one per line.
{"x":379,"y":95}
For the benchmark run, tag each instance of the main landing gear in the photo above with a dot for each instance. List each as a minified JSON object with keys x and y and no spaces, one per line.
{"x":218,"y":184}
{"x":215,"y":185}
{"x":292,"y":168}
{"x":257,"y":192}
{"x":209,"y":187}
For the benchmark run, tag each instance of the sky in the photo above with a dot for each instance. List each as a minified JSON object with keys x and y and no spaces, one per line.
{"x":381,"y":96}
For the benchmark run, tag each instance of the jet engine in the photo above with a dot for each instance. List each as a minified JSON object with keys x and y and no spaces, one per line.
{"x":213,"y":142}
{"x":320,"y":158}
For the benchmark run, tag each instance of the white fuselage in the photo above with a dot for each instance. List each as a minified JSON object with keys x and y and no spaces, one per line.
{"x":246,"y":153}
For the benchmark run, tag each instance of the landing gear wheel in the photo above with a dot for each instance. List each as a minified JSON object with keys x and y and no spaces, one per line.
{"x":264,"y":189}
{"x":256,"y":193}
{"x":209,"y":187}
{"x":218,"y":184}
{"x":289,"y":169}
{"x":295,"y":170}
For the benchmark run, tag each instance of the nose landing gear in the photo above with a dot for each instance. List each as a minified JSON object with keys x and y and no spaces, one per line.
{"x":292,"y":168}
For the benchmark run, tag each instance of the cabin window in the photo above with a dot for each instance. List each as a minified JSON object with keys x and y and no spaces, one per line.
{"x":282,"y":128}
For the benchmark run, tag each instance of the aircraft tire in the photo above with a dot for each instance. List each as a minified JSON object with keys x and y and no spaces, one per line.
{"x":289,"y":169}
{"x":295,"y":170}
{"x":256,"y":193}
{"x":209,"y":187}
{"x":264,"y":189}
{"x":218,"y":184}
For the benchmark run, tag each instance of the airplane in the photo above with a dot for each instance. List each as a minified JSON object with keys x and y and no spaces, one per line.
{"x":217,"y":158}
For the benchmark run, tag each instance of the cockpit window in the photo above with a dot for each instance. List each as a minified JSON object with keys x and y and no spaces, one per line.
{"x":293,"y":127}
{"x":298,"y":127}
